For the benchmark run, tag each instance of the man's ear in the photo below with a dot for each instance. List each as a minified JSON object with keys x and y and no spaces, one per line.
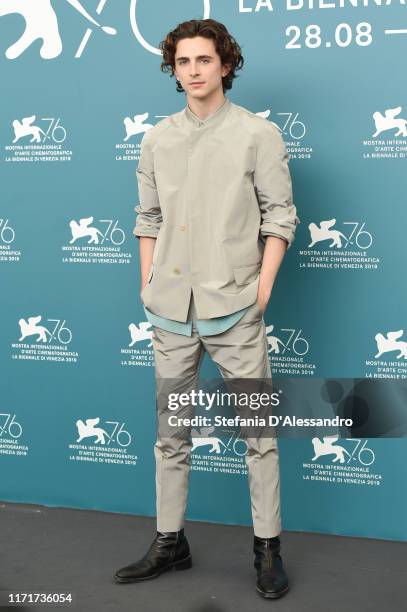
{"x":226,"y":68}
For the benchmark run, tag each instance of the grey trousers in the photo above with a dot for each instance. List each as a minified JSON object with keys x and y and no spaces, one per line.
{"x":239,"y":352}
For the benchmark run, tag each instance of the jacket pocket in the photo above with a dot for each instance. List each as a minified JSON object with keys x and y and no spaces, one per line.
{"x":246,"y":274}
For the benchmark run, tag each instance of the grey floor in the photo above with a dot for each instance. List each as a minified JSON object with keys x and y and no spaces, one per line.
{"x":61,"y":550}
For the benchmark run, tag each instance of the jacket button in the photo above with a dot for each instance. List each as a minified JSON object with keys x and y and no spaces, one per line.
{"x":182,"y":227}
{"x":177,"y":271}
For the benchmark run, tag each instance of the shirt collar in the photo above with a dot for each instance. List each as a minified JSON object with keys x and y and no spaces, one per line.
{"x":212,"y":119}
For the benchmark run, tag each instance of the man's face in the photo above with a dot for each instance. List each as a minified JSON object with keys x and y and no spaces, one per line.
{"x":196,"y":60}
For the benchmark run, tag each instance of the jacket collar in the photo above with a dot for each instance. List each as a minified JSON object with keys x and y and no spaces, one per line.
{"x":212,"y":120}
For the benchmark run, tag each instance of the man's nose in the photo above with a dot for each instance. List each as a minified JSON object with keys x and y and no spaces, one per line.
{"x":194,"y":70}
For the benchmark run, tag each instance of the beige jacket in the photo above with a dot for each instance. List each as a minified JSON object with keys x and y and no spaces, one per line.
{"x":210,"y":191}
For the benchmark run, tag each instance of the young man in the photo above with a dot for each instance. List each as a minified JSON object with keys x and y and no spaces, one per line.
{"x":214,"y":221}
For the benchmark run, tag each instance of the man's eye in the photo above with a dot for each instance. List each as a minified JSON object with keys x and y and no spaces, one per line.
{"x":184,"y":61}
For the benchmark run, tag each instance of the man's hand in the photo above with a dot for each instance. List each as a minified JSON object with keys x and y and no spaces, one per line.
{"x":263,"y":297}
{"x":274,"y":252}
{"x":147,"y":246}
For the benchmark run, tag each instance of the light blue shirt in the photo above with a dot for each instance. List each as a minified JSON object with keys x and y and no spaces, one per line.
{"x":206,"y":327}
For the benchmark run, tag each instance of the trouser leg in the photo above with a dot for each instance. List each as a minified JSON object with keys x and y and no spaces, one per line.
{"x":177,"y":363}
{"x":242,"y":352}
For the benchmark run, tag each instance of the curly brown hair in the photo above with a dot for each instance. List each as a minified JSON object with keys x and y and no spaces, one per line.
{"x":225,"y":45}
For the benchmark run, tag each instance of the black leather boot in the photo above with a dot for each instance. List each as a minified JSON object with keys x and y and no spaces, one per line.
{"x":271,"y":578}
{"x":169,"y":550}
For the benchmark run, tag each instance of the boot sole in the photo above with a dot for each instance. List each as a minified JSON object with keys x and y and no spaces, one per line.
{"x":276,"y":595}
{"x":182,"y":564}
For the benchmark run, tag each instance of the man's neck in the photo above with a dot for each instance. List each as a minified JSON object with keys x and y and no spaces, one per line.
{"x":207,"y":106}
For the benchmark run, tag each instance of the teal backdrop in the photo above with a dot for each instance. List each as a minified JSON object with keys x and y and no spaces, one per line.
{"x":79,"y":89}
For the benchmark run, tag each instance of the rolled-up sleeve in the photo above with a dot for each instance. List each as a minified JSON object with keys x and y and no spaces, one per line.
{"x":149,"y":217}
{"x":273,"y":186}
